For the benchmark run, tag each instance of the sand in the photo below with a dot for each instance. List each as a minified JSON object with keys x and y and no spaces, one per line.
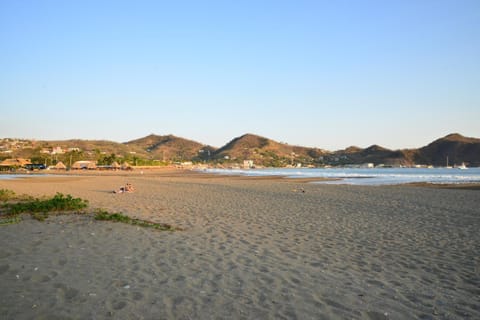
{"x":249,"y":249}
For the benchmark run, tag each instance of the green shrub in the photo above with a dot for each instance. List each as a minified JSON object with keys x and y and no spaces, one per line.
{"x":118,"y":217}
{"x":6,"y":194}
{"x":58,"y":203}
{"x":40,"y":209}
{"x":40,"y":216}
{"x":10,"y":219}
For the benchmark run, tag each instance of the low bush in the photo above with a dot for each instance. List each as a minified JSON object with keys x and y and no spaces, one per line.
{"x":41,"y":208}
{"x":118,"y":217}
{"x":6,"y":194}
{"x":59,"y":202}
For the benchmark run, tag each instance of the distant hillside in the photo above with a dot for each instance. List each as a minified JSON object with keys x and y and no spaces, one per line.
{"x":263,"y":151}
{"x":456,"y":147}
{"x":171,"y":148}
{"x":374,"y":154}
{"x":267,"y":152}
{"x":103,"y":146}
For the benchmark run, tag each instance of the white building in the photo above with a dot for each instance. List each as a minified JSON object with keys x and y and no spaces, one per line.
{"x":248,"y":164}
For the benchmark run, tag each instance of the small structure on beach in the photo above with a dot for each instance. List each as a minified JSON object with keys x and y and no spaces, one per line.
{"x":126,"y":166}
{"x":9,"y":164}
{"x":115,"y":165}
{"x":60,"y":166}
{"x":84,"y":164}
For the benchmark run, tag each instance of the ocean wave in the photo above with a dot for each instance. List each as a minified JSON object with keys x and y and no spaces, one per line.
{"x":383,"y":176}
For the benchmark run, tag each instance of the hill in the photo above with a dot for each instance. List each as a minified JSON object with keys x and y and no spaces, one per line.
{"x":154,"y":149}
{"x":68,"y":151}
{"x":267,"y":152}
{"x":171,"y":148}
{"x":374,"y":154}
{"x":102,"y":146}
{"x":453,"y":148}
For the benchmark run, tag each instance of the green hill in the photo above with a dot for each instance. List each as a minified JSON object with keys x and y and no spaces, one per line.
{"x":171,"y":148}
{"x":267,"y":152}
{"x":158,"y":149}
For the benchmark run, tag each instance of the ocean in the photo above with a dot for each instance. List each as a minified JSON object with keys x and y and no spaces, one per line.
{"x":355,"y":176}
{"x":374,"y":176}
{"x":9,"y":176}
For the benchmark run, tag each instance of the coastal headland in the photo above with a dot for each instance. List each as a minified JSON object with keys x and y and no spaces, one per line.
{"x":249,"y":248}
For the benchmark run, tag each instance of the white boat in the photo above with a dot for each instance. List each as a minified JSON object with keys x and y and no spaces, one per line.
{"x":462,"y":166}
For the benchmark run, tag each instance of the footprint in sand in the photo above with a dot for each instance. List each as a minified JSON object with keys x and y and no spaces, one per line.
{"x":4,"y":268}
{"x":67,"y":292}
{"x":71,"y":293}
{"x":375,"y":315}
{"x":183,"y":305}
{"x":137,"y":296}
{"x":118,"y":305}
{"x":62,"y":262}
{"x":40,"y":278}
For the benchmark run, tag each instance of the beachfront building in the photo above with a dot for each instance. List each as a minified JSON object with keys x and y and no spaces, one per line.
{"x":84,"y":164}
{"x":11,"y":164}
{"x":126,"y":166}
{"x":115,"y":165}
{"x":60,"y":166}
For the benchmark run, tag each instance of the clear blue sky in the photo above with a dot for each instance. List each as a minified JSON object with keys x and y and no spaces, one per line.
{"x":328,"y":74}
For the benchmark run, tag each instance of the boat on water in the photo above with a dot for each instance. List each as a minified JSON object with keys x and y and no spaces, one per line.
{"x":462,"y":166}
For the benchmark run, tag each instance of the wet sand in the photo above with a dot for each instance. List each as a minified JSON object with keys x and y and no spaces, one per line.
{"x":250,"y":249}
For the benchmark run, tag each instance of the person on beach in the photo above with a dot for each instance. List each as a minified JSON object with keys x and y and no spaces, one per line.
{"x":127,"y":188}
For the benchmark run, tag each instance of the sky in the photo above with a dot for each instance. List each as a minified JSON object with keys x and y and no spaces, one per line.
{"x":326,"y":74}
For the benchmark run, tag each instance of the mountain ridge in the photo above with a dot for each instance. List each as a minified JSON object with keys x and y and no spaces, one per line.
{"x":453,"y":148}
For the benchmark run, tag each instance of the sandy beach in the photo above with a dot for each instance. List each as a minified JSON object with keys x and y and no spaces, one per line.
{"x":249,"y":249}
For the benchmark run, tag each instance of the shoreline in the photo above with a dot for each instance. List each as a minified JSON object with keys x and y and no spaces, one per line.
{"x":173,"y":172}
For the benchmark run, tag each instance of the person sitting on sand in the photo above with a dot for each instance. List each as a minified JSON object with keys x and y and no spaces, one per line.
{"x":127,"y":188}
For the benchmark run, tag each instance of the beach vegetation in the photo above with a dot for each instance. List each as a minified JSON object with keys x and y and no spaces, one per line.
{"x":103,"y":215}
{"x":107,"y":160}
{"x":6,"y":194}
{"x":39,"y":216}
{"x":59,"y":202}
{"x":41,"y":208}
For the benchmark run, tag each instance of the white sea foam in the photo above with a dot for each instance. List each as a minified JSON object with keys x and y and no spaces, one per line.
{"x":8,"y":176}
{"x":381,"y":176}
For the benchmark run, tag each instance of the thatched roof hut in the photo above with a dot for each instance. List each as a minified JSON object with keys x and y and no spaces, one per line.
{"x":84,"y":165}
{"x":126,"y":166}
{"x":15,"y":163}
{"x":60,"y":166}
{"x":115,"y":165}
